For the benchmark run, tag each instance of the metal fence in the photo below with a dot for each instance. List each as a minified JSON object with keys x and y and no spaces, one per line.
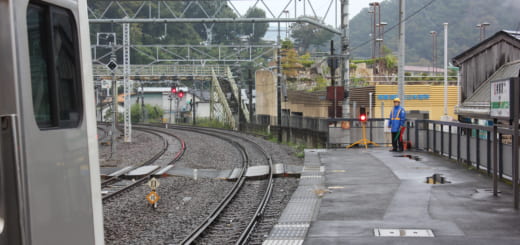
{"x":345,"y":131}
{"x":467,"y":143}
{"x":300,"y":122}
{"x":486,"y":148}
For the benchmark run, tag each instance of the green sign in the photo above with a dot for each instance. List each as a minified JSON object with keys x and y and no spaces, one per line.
{"x":500,"y":100}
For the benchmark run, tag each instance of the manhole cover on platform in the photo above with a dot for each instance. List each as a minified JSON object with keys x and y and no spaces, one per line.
{"x":403,"y":233}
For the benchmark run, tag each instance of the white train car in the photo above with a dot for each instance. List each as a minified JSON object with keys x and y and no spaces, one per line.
{"x":49,"y":170}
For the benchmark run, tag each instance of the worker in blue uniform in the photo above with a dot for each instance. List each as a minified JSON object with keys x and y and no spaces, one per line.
{"x":397,"y":125}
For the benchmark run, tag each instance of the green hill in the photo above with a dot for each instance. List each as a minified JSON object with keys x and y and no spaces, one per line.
{"x":462,"y":16}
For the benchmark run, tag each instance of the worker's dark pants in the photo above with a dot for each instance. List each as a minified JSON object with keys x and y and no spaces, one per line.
{"x":397,"y":143}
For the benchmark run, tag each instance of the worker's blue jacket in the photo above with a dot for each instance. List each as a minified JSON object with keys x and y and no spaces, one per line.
{"x":397,"y":119}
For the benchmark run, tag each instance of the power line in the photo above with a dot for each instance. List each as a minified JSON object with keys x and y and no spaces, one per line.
{"x":396,"y":25}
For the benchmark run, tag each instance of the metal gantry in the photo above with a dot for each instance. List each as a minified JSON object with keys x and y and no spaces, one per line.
{"x":189,"y":54}
{"x":174,"y":11}
{"x":170,"y":11}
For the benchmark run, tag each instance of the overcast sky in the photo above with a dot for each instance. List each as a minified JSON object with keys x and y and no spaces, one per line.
{"x":319,"y":6}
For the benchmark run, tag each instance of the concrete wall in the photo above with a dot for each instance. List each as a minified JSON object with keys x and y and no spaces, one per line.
{"x":310,"y":104}
{"x":266,"y":96}
{"x":203,"y":109}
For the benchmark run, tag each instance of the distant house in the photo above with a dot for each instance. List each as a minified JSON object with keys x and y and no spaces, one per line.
{"x":495,"y":58}
{"x":160,"y":96}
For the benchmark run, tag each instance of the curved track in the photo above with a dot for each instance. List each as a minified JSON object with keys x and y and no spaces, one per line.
{"x":117,"y":185}
{"x":227,"y":207}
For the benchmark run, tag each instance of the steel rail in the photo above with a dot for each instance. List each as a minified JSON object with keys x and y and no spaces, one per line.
{"x":177,"y":157}
{"x":245,"y":235}
{"x":147,"y":162}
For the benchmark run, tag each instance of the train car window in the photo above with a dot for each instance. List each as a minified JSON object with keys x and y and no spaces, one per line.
{"x":55,"y":74}
{"x":39,"y":66}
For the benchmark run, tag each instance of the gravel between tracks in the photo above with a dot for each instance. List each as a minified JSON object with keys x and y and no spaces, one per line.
{"x":143,"y":147}
{"x":183,"y":205}
{"x":185,"y":202}
{"x":207,"y":152}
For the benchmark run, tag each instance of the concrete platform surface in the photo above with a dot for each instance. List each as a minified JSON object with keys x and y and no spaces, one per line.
{"x":376,"y":189}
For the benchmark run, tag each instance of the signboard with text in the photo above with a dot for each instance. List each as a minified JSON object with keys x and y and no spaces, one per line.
{"x":500,"y":100}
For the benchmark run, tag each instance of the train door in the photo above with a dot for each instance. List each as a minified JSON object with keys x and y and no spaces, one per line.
{"x":58,"y":172}
{"x":12,"y":210}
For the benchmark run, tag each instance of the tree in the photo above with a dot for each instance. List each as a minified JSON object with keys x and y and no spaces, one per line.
{"x":255,"y":30}
{"x":290,"y":60}
{"x":306,"y":35}
{"x":461,"y":15}
{"x":152,"y":113}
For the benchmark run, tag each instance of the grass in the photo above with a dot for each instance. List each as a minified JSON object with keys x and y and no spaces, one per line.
{"x":298,"y":148}
{"x":212,"y":124}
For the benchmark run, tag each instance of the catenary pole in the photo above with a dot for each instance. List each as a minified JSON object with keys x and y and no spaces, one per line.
{"x":445,"y":69}
{"x":345,"y":43}
{"x":402,"y":46}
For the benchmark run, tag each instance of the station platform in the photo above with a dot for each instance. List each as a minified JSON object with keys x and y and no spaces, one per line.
{"x":374,"y":196}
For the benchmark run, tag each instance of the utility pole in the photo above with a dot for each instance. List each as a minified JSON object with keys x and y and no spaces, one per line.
{"x":402,"y":46}
{"x":445,"y":69}
{"x":279,"y":88}
{"x":345,"y":43}
{"x":194,"y":105}
{"x":332,"y":67}
{"x":114,"y":102}
{"x":142,"y":102}
{"x":170,"y":98}
{"x":434,"y":51}
{"x":376,"y":30}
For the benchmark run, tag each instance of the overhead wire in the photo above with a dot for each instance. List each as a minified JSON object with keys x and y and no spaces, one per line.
{"x":396,"y":25}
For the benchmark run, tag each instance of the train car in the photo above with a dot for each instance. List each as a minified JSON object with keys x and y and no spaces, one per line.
{"x":49,"y":170}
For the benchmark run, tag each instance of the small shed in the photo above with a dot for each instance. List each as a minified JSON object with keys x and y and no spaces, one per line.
{"x":477,"y":105}
{"x":478,"y":63}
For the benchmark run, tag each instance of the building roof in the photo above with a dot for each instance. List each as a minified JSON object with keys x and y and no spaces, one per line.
{"x":478,"y":103}
{"x":513,"y":36}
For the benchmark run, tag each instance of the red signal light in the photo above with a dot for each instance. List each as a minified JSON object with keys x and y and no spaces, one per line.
{"x":174,"y":90}
{"x":363,"y":118}
{"x":181,"y":94}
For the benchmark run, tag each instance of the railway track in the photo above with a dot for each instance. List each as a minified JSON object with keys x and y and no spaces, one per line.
{"x":116,"y":184}
{"x":231,"y":206}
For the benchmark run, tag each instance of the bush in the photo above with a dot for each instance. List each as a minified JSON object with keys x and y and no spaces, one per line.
{"x":151,"y":113}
